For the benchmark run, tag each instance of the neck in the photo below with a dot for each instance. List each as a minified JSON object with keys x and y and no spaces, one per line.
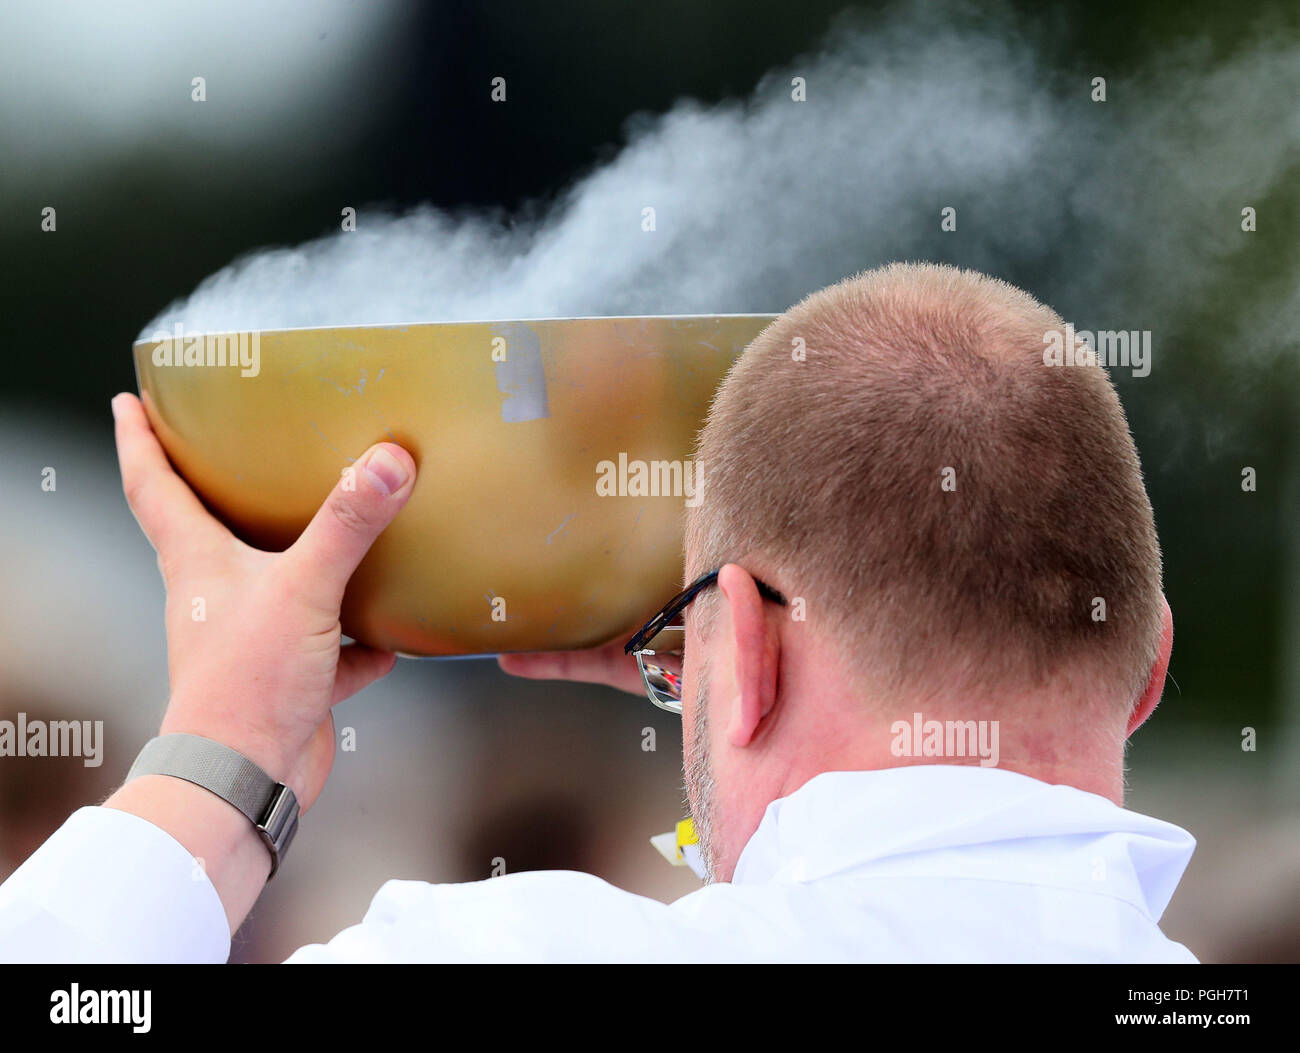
{"x":1051,"y":734}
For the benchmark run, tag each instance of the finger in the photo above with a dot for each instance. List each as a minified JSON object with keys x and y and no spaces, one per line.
{"x":606,"y":664}
{"x":166,"y":509}
{"x":365,"y":501}
{"x":359,"y":667}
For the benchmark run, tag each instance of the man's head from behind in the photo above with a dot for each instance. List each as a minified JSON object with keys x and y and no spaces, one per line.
{"x":962,"y":531}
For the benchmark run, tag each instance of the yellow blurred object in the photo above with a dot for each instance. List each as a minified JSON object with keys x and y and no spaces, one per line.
{"x":553,"y":457}
{"x":681,"y":846}
{"x":686,"y":834}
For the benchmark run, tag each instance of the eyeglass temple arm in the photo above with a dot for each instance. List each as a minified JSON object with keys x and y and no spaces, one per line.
{"x":679,"y":602}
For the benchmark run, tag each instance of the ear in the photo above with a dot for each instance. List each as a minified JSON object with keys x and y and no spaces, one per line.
{"x":1146,"y":705}
{"x":755,"y":649}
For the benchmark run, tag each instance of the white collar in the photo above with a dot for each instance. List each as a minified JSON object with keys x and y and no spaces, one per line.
{"x":1004,"y":824}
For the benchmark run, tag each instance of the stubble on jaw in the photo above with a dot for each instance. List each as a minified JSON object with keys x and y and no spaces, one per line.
{"x":698,"y":774}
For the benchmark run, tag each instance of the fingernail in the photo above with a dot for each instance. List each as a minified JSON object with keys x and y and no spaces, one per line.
{"x":388,"y":472}
{"x":114,"y":404}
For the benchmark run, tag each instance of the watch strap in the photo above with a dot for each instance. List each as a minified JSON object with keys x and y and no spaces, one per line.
{"x":269,"y":805}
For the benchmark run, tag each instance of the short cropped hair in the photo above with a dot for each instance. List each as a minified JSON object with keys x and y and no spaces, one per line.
{"x":895,"y":451}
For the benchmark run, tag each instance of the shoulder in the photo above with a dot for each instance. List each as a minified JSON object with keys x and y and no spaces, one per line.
{"x":552,"y":916}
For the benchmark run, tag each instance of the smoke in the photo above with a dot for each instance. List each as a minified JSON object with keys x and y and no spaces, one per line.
{"x":1132,"y":204}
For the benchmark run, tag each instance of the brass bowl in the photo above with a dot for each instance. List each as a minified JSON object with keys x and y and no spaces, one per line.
{"x":508,"y":542}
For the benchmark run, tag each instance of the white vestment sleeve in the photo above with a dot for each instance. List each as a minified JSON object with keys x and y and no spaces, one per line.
{"x":109,"y":886}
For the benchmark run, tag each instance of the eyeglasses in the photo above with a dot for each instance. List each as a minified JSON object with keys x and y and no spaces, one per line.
{"x":658,"y":645}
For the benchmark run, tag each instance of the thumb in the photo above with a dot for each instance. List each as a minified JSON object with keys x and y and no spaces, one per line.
{"x":371,"y":492}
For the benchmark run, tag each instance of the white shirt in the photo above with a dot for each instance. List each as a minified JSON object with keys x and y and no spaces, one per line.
{"x":922,"y":863}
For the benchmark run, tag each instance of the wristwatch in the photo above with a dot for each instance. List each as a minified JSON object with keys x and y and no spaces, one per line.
{"x":270,"y":806}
